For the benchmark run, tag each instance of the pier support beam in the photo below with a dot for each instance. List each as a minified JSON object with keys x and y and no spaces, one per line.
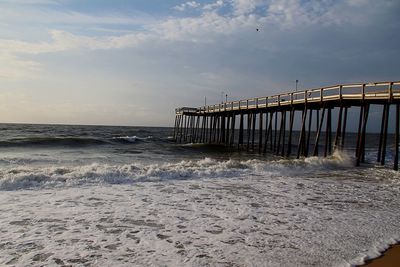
{"x":240,"y":141}
{"x":289,"y":148}
{"x":316,"y":148}
{"x":254,"y":117}
{"x":232,"y":142}
{"x":300,"y":146}
{"x":344,"y":128}
{"x":260,"y":132}
{"x":385,"y":130}
{"x":361,"y":145}
{"x":378,"y":159}
{"x":248,"y":131}
{"x":396,"y":140}
{"x":308,"y":133}
{"x":339,"y":129}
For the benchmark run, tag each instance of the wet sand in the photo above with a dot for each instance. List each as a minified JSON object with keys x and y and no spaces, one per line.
{"x":390,"y":258}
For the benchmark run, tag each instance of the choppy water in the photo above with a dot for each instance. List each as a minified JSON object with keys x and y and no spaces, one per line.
{"x":129,"y":196}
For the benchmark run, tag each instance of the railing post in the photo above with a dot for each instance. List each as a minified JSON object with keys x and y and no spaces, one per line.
{"x":321,"y":96}
{"x":305,"y":96}
{"x":256,"y":99}
{"x":390,"y":92}
{"x":279,"y":100}
{"x":340,"y":92}
{"x":291,"y":99}
{"x":266,"y":101}
{"x":363,"y":92}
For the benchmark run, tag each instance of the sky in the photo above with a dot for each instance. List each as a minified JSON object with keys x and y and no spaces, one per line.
{"x":132,"y":62}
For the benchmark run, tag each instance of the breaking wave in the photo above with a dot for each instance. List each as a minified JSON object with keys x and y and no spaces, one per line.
{"x":131,"y":139}
{"x":15,"y":178}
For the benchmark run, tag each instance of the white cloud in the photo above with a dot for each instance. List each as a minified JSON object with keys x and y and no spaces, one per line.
{"x":184,"y":6}
{"x":242,"y":7}
{"x":214,"y":5}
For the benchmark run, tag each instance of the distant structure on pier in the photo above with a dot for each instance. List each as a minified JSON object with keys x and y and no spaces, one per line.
{"x":215,"y":124}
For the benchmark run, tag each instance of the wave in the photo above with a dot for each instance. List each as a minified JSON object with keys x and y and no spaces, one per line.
{"x":69,"y":141}
{"x":131,"y":139}
{"x":52,"y":141}
{"x":15,"y":178}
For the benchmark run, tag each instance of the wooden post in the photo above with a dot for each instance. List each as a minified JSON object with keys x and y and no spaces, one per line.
{"x":211,"y":129}
{"x":222,"y":140}
{"x":327,"y":133}
{"x":176,"y":134}
{"x":385,"y":130}
{"x":289,"y":149}
{"x":362,"y":138}
{"x":381,"y":133}
{"x":280,"y":134}
{"x":260,"y":132}
{"x":186,"y":128}
{"x":302,"y":131}
{"x":233,"y":129}
{"x":316,"y":150}
{"x":176,"y":120}
{"x":181,"y":128}
{"x":339,"y":129}
{"x":228,"y":123}
{"x":359,"y":129}
{"x":267,"y":130}
{"x":344,"y":128}
{"x":215,"y":126}
{"x":396,"y":140}
{"x":308,"y":134}
{"x":276,"y":130}
{"x":284,"y":134}
{"x":240,"y":142}
{"x":330,"y":131}
{"x":271,"y":137}
{"x":254,"y":117}
{"x":198,"y":130}
{"x":205,"y":128}
{"x":192,"y":121}
{"x":248,"y":130}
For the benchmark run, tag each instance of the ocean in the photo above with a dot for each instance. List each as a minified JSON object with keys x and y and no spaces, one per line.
{"x":131,"y":196}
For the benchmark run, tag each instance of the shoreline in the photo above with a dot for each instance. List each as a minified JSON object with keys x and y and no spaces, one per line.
{"x":390,"y":257}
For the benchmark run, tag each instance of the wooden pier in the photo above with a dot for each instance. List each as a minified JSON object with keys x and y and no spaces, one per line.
{"x":274,"y":117}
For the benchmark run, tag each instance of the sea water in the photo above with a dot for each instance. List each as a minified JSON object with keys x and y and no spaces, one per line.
{"x":130,"y":196}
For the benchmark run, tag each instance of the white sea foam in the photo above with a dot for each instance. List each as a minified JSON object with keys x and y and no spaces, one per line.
{"x":248,"y":220}
{"x":198,"y":213}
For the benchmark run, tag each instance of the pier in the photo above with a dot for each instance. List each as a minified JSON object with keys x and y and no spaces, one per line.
{"x":235,"y":123}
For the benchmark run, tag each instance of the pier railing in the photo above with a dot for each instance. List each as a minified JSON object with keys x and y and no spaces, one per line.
{"x":361,"y":91}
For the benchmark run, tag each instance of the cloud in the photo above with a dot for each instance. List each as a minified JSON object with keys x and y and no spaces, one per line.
{"x":47,"y":14}
{"x":184,"y":6}
{"x":214,"y":5}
